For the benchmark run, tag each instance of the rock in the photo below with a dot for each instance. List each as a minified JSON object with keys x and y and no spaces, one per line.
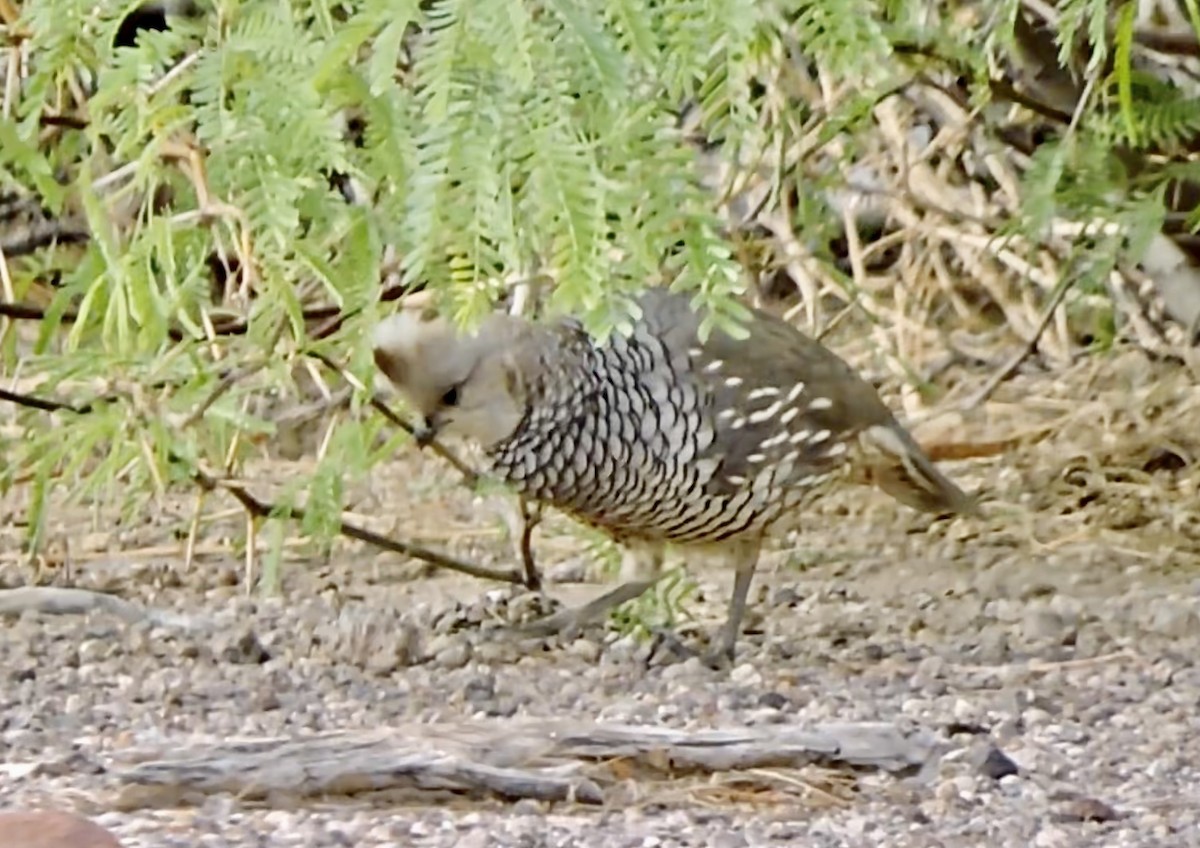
{"x":729,"y":839}
{"x":1012,"y":785}
{"x":480,"y":689}
{"x":873,"y":652}
{"x":1174,"y":618}
{"x":774,"y":701}
{"x":94,"y":650}
{"x":786,"y":597}
{"x":568,"y":571}
{"x":747,"y":675}
{"x":585,"y":649}
{"x":1044,"y":626}
{"x":246,"y":649}
{"x":996,"y":764}
{"x":993,"y":647}
{"x":1087,"y":810}
{"x":52,"y":829}
{"x":454,"y":655}
{"x":928,"y":670}
{"x":528,"y":807}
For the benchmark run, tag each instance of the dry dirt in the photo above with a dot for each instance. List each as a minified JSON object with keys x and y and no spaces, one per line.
{"x":1059,"y":634}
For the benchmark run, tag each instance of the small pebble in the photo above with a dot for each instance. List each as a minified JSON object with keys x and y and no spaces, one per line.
{"x":745,"y":675}
{"x":995,"y":764}
{"x":1087,"y":810}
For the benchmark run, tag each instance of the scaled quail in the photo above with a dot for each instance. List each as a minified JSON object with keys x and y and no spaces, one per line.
{"x":658,"y":437}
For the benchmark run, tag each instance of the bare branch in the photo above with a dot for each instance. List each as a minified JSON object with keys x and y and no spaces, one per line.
{"x":264,"y":509}
{"x":470,"y":475}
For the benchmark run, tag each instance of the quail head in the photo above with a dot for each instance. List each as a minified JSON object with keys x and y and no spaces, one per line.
{"x":658,"y":437}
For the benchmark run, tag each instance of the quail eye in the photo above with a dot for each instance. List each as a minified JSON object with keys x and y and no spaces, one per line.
{"x":450,"y":398}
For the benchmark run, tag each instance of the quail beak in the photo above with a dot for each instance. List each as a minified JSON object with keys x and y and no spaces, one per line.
{"x":425,"y":432}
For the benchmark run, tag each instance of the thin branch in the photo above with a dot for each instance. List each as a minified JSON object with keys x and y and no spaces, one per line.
{"x":985,"y":391}
{"x":29,"y":312}
{"x":470,"y":475}
{"x":264,"y":509}
{"x":227,"y":382}
{"x":31,"y":402}
{"x":1056,"y":296}
{"x":231,"y":378}
{"x":174,"y":74}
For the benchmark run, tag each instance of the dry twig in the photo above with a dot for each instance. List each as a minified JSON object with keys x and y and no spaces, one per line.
{"x":264,"y":509}
{"x":1010,"y":367}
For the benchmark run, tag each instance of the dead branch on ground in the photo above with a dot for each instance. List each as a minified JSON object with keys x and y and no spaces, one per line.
{"x":556,"y":760}
{"x":59,"y":600}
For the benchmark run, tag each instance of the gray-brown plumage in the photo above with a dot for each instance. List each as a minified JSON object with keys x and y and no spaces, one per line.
{"x":657,"y":437}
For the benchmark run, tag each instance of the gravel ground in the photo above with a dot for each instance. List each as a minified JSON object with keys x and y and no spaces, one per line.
{"x":1053,"y":648}
{"x":1096,"y":745}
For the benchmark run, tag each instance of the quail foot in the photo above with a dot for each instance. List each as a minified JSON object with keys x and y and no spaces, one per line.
{"x":659,"y":437}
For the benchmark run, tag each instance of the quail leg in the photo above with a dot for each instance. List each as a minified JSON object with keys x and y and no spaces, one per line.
{"x":531,"y":516}
{"x":745,"y":559}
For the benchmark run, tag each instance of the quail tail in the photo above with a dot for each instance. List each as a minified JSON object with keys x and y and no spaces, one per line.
{"x":900,"y":467}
